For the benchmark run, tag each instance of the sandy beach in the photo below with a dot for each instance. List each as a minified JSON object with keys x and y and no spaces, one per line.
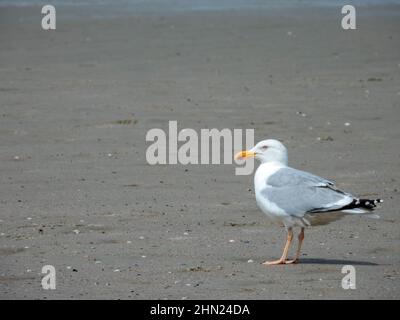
{"x":77,"y":193}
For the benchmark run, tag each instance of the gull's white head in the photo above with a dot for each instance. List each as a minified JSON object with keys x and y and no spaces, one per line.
{"x":266,"y":151}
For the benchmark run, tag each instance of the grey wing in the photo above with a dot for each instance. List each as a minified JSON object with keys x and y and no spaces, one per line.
{"x":290,"y":177}
{"x":299,"y":200}
{"x":298,"y":192}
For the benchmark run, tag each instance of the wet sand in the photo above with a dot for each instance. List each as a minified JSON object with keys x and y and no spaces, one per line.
{"x":76,"y":191}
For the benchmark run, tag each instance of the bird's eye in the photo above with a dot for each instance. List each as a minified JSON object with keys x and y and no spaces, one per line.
{"x":264,"y":147}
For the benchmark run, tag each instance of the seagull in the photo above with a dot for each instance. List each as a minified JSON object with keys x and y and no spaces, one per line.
{"x":295,"y":198}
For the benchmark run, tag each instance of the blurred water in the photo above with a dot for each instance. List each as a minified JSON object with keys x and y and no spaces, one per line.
{"x":195,"y":5}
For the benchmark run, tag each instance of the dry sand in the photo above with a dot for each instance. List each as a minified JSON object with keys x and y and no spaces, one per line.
{"x":76,"y":191}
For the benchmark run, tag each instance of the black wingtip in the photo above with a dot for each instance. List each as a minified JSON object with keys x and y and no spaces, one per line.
{"x":368,"y":203}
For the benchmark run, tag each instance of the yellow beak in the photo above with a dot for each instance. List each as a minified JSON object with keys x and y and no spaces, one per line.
{"x":244,"y":155}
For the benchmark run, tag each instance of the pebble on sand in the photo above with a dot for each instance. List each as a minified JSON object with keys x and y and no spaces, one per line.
{"x":302,"y":113}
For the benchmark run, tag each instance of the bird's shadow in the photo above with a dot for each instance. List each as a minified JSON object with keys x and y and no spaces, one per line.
{"x":336,"y":262}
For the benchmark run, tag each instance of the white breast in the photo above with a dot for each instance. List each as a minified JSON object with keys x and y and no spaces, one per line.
{"x":264,"y":171}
